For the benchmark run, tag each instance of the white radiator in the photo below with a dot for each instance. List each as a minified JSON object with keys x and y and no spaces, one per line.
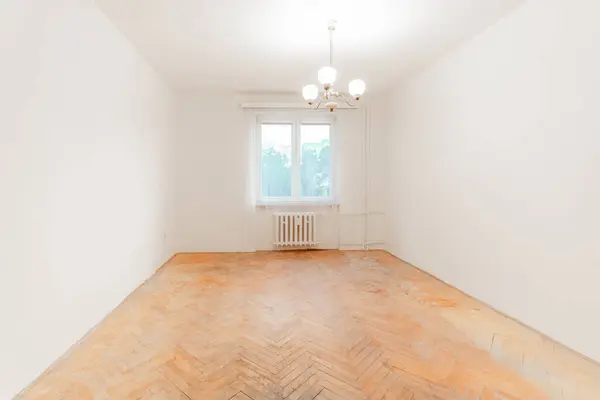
{"x":295,"y":229}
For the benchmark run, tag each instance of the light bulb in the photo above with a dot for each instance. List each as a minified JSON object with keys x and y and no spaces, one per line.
{"x":356,"y":88}
{"x":310,"y":92}
{"x":332,"y":105}
{"x":327,"y":76}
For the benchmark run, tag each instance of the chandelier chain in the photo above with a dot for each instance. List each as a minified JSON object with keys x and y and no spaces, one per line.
{"x":331,"y":29}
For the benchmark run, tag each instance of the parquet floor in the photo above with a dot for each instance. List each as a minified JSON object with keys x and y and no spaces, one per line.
{"x":311,"y":325}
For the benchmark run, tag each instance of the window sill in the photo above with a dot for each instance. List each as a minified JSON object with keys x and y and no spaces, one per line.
{"x":297,"y":203}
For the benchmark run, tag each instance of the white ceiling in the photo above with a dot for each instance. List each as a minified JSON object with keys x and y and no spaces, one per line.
{"x":278,"y":45}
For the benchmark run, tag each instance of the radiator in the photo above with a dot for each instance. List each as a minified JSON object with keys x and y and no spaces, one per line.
{"x":295,"y":229}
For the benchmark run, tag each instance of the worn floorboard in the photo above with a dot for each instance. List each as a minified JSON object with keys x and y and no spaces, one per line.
{"x":311,"y":325}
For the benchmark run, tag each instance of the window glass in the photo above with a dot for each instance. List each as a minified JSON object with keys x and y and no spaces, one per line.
{"x":315,"y":161}
{"x":276,"y":147}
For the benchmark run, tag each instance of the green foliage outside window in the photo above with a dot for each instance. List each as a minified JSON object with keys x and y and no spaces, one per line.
{"x":315,"y":171}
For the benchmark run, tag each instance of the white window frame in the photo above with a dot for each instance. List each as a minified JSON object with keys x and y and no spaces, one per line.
{"x":296,"y":120}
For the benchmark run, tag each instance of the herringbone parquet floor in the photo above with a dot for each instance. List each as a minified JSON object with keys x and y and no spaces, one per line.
{"x":311,"y":325}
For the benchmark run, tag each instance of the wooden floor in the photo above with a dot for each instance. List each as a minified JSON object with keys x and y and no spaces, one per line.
{"x":311,"y":325}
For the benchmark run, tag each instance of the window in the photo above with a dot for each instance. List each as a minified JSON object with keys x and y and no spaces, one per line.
{"x":276,"y":169}
{"x":295,"y":160}
{"x":315,"y":161}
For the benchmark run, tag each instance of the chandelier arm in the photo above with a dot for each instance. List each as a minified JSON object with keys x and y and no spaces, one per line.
{"x":346,"y":100}
{"x":319,"y":103}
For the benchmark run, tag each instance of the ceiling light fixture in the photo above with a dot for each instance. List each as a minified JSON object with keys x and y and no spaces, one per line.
{"x":330,"y":97}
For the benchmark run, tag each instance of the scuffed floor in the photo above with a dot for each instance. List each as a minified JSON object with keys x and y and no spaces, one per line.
{"x":311,"y":325}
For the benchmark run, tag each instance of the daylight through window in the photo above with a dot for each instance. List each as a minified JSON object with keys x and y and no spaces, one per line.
{"x":295,"y":162}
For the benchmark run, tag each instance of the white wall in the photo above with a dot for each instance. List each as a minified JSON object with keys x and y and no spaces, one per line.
{"x":83,"y":125}
{"x":495,"y":169}
{"x":214,"y":183}
{"x":209,"y":203}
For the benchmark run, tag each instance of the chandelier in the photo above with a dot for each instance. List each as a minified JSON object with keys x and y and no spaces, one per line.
{"x":331,"y":98}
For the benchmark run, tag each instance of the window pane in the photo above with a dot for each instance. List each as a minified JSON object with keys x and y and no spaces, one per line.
{"x":276,"y":160}
{"x":315,"y":168}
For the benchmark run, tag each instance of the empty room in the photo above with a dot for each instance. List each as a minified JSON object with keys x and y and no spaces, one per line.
{"x":272,"y":199}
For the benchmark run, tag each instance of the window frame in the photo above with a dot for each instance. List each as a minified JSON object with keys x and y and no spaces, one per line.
{"x":296,"y":120}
